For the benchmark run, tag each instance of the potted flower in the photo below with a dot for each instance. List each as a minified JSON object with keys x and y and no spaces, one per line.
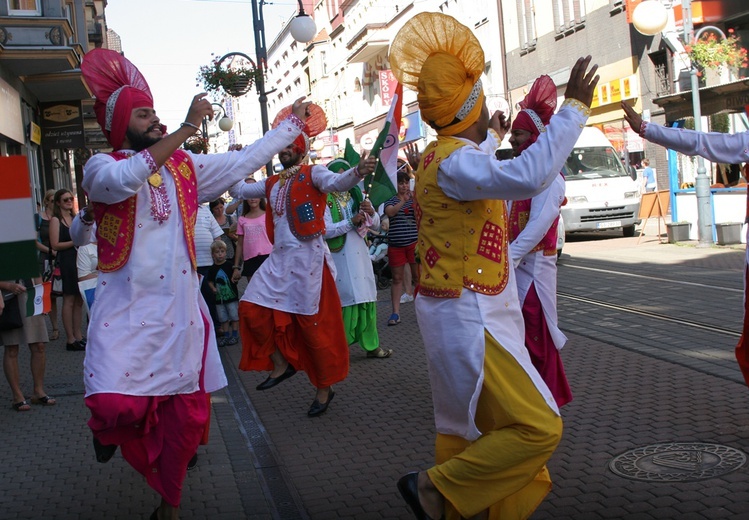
{"x":710,"y":52}
{"x":236,"y":79}
{"x":196,"y":144}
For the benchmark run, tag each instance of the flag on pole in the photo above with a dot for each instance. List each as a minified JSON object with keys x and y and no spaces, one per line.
{"x":18,"y":240}
{"x":38,"y":299}
{"x":350,"y":155}
{"x":383,"y":183}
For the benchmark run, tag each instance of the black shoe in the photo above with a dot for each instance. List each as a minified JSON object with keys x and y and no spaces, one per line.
{"x":193,"y":462}
{"x":75,"y":347}
{"x":82,"y":341}
{"x":409,"y":490}
{"x":273,"y":381}
{"x":104,"y":452}
{"x":319,"y":408}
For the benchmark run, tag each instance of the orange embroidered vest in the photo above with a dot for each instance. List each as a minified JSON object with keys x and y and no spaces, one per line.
{"x":304,"y":206}
{"x":462,"y":244}
{"x":115,"y":223}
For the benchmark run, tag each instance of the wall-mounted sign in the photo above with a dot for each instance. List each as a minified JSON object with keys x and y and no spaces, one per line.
{"x":35,"y":133}
{"x":62,"y":125}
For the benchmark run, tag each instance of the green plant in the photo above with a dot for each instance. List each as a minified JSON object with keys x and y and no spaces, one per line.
{"x":710,"y":52}
{"x":235,"y":80}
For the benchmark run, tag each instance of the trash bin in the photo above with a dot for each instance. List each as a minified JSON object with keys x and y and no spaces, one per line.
{"x":677,"y":232}
{"x":728,"y":233}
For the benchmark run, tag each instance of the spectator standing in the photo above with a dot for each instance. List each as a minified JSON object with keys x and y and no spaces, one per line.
{"x":34,"y":334}
{"x":61,"y":241}
{"x":47,"y":255}
{"x":206,"y":231}
{"x":226,"y":295}
{"x":402,"y":237}
{"x":648,"y":176}
{"x":253,"y":245}
{"x":225,"y":222}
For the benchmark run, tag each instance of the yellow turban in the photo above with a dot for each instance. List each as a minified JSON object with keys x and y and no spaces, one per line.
{"x":442,"y":59}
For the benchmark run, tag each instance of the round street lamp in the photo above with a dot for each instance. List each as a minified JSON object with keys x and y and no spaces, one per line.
{"x":302,"y":27}
{"x":650,"y":17}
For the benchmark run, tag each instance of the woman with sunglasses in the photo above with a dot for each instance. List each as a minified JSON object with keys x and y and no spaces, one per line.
{"x":72,"y":303}
{"x":47,"y":254}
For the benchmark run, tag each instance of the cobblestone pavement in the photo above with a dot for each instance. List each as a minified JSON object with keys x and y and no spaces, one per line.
{"x":638,"y":380}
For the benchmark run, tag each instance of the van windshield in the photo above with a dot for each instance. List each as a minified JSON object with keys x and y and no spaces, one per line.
{"x":593,"y":163}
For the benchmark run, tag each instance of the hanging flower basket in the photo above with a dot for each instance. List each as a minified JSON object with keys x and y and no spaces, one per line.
{"x":196,"y":144}
{"x":235,"y":77}
{"x":711,"y":52}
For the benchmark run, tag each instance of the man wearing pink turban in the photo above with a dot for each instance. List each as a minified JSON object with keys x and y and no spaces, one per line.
{"x":533,"y":241}
{"x":151,"y":355}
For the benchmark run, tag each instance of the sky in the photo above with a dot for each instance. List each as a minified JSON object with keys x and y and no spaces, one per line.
{"x":168,"y":40}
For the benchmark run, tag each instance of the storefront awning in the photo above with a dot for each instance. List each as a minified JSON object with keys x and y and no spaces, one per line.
{"x":728,"y":97}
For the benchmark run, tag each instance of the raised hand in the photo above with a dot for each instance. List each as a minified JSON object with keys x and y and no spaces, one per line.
{"x":630,"y":116}
{"x":500,"y":124}
{"x":367,"y":165}
{"x":582,"y":84}
{"x":199,"y":109}
{"x":413,"y":155}
{"x":300,"y":108}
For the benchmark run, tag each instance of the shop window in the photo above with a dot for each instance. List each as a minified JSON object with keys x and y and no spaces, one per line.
{"x":24,"y":7}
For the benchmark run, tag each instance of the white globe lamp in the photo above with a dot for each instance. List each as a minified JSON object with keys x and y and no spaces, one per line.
{"x":303,"y":28}
{"x":225,"y":124}
{"x":650,"y":17}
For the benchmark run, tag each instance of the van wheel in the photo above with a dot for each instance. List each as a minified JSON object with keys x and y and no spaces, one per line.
{"x":628,"y":231}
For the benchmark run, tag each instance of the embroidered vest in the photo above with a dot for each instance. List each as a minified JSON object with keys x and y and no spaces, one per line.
{"x":115,"y":223}
{"x":337,"y":213}
{"x":304,"y":206}
{"x":519,"y":215}
{"x":462,"y":244}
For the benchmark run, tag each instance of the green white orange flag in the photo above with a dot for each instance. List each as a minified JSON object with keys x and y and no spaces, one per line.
{"x":18,"y":258}
{"x":39,"y":300}
{"x":383,"y":183}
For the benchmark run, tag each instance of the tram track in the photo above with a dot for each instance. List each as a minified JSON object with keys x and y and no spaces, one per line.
{"x":648,"y":314}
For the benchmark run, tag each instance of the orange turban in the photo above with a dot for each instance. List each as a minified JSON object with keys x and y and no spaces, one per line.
{"x":443,"y":61}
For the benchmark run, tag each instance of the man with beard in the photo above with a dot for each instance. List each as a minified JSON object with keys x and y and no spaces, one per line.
{"x":290,"y":314}
{"x":533,"y":246}
{"x":151,"y":354}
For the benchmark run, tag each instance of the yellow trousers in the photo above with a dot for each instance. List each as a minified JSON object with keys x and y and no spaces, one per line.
{"x":504,"y":470}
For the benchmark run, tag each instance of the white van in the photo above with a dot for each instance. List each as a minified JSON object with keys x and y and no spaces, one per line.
{"x":600,"y":192}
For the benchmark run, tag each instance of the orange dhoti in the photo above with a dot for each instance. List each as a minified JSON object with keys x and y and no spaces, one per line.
{"x":315,"y":344}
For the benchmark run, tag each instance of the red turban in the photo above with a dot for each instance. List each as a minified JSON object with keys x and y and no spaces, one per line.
{"x":119,"y":88}
{"x":536,"y":109}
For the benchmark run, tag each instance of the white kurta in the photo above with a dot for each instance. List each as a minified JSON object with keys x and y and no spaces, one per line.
{"x":537,"y":268}
{"x":354,"y":274}
{"x":147,"y":334}
{"x":453,"y":328}
{"x":290,"y":280}
{"x":713,"y":146}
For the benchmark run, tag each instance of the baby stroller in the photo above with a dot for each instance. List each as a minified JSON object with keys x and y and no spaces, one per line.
{"x":378,"y":247}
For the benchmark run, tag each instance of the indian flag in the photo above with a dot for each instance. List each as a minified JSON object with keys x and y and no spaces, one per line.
{"x":38,"y":299}
{"x":383,"y":183}
{"x":18,"y":257}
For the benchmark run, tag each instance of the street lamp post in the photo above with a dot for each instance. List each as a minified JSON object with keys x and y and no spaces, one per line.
{"x":701,"y":180}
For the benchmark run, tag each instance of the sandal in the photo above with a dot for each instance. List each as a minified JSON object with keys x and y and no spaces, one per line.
{"x":23,"y":406}
{"x":45,"y":401}
{"x":394,"y":320}
{"x":380,"y":352}
{"x":54,"y":335}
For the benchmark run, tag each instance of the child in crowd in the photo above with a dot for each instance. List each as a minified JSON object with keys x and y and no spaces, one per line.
{"x":227,"y":300}
{"x":253,"y":245}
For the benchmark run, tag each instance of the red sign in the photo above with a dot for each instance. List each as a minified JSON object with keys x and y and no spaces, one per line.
{"x":388,"y":83}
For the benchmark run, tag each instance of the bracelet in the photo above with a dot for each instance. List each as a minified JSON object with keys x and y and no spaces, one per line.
{"x":187,"y":123}
{"x":237,"y":267}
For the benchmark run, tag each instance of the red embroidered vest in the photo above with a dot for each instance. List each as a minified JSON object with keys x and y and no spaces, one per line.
{"x":304,"y":206}
{"x":519,"y":215}
{"x":115,"y":223}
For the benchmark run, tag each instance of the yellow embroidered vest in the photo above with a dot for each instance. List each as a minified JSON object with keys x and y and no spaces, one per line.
{"x":461,"y":243}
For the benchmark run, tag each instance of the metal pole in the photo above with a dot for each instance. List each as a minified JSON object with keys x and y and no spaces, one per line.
{"x":701,"y":180}
{"x":258,"y":24}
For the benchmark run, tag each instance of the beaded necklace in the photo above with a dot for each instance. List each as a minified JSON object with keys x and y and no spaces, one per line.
{"x":283,"y":190}
{"x":161,"y":207}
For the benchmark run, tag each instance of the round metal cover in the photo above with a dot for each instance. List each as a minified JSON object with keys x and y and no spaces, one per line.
{"x":677,"y":462}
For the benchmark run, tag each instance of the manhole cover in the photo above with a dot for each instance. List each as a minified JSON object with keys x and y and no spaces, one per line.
{"x":677,"y":462}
